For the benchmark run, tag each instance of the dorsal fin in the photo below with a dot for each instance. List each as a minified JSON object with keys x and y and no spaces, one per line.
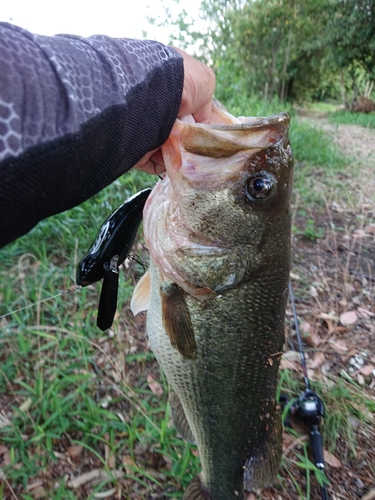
{"x":141,"y":295}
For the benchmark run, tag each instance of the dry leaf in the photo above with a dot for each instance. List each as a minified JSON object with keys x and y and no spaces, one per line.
{"x":348,"y":318}
{"x":317,"y":361}
{"x":313,"y":339}
{"x":332,"y":460}
{"x":37,"y":490}
{"x":76,"y":482}
{"x":365,"y":313}
{"x":155,"y":387}
{"x":128,"y":464}
{"x":110,"y":457}
{"x":370,"y":229}
{"x":305,"y":327}
{"x":293,"y":356}
{"x":339,"y":346}
{"x":367,"y":370}
{"x":105,"y":494}
{"x":74,"y":451}
{"x":4,"y":421}
{"x":360,"y":233}
{"x":25,"y":406}
{"x":250,"y":496}
{"x":289,"y":365}
{"x":369,"y":495}
{"x":328,"y":317}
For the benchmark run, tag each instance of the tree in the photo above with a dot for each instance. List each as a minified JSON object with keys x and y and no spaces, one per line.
{"x":293,"y":49}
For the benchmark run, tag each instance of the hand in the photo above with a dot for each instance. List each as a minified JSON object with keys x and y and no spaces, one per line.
{"x":199,"y":85}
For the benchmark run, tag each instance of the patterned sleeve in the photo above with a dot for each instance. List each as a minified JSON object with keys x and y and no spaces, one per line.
{"x":75,"y":114}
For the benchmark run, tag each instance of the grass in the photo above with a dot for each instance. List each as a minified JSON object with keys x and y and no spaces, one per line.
{"x":347,"y":118}
{"x":76,"y":400}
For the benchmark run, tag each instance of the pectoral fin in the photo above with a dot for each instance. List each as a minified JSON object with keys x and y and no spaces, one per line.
{"x":179,"y":419}
{"x":141,"y":295}
{"x":177,"y":321}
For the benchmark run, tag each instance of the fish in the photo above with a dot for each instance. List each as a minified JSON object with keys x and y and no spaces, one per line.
{"x":218,"y":228}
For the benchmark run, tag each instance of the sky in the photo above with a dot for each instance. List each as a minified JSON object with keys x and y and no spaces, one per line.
{"x":117,"y":18}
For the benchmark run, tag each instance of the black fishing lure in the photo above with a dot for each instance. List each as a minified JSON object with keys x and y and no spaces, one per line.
{"x":108,"y":251}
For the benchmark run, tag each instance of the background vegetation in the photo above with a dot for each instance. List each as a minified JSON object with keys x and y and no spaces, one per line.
{"x":292,"y":49}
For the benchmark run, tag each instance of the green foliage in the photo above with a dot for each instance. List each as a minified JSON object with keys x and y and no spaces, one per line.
{"x":292,"y":50}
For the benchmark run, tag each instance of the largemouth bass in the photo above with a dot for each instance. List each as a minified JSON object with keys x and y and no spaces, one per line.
{"x":218,"y":229}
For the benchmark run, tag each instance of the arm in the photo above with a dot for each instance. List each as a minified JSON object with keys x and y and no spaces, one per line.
{"x":75,"y":114}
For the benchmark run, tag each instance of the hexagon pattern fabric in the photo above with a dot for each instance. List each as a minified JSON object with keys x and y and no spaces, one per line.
{"x":75,"y":113}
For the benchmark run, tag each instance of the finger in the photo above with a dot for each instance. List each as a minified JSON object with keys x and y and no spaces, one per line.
{"x":151,"y":163}
{"x":204,"y":114}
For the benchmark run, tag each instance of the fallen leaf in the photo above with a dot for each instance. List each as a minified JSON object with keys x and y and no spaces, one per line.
{"x":360,"y":233}
{"x":330,"y":316}
{"x":332,"y":460}
{"x":370,"y":229}
{"x":370,"y":495}
{"x":128,"y":464}
{"x":155,"y":387}
{"x":4,"y":421}
{"x":292,"y":356}
{"x":365,"y":313}
{"x":106,"y":493}
{"x":317,"y":361}
{"x":367,"y":370}
{"x":110,"y":457}
{"x":305,"y":327}
{"x":348,"y":318}
{"x":285,"y":364}
{"x":339,"y":346}
{"x":313,"y":339}
{"x":25,"y":406}
{"x":76,"y":482}
{"x":74,"y":451}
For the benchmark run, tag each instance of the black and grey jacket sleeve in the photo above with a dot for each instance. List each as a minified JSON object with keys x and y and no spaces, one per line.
{"x":75,"y":114}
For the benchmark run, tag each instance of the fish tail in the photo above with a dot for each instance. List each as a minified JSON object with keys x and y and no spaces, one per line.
{"x":263,"y":461}
{"x":196,"y":490}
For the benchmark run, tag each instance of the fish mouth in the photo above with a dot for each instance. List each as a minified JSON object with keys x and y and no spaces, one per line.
{"x":224,"y":147}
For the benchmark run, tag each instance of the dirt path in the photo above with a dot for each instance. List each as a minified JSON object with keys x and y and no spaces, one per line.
{"x":353,"y":140}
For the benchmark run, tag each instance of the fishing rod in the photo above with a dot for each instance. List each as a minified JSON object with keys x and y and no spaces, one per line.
{"x":309,"y":408}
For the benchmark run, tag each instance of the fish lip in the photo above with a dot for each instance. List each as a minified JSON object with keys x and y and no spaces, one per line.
{"x":256,"y":123}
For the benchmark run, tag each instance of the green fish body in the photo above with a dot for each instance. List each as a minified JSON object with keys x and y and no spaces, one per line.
{"x":218,"y":229}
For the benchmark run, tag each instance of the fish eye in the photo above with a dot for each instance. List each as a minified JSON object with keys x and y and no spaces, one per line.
{"x":259,"y":186}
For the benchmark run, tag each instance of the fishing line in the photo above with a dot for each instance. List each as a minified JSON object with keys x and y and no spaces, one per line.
{"x":73,"y":288}
{"x":309,"y":408}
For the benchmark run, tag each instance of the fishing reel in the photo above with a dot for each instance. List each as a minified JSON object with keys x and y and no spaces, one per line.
{"x":309,"y":409}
